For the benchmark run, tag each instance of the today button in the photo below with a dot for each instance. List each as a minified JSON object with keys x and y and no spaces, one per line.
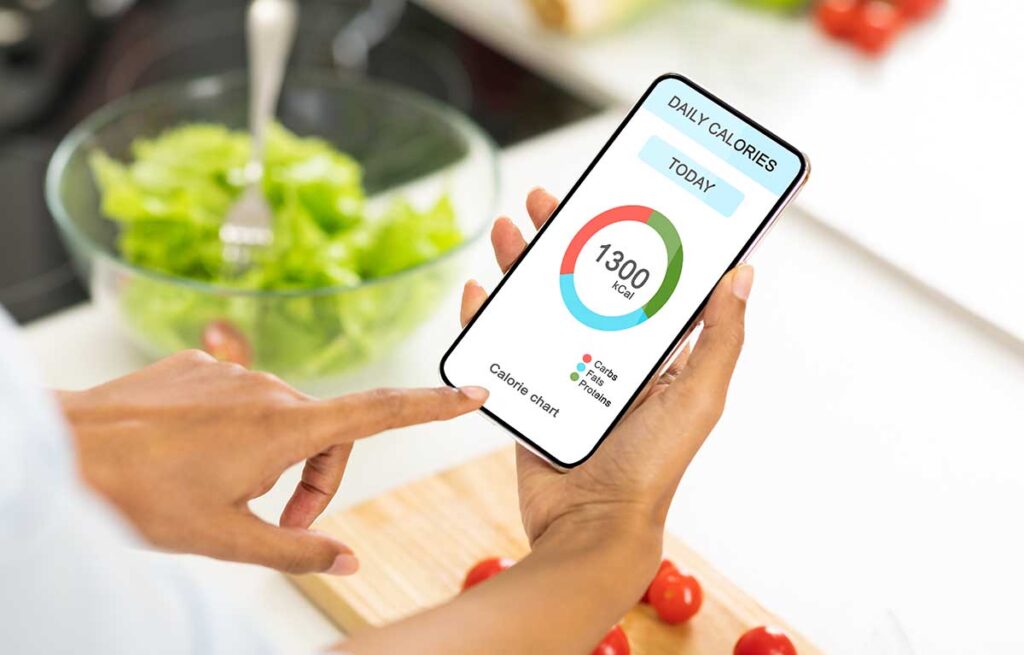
{"x":691,"y":176}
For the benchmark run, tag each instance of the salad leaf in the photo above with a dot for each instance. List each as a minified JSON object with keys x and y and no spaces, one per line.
{"x":170,"y":199}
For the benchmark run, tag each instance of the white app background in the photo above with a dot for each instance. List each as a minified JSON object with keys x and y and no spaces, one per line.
{"x":529,"y":335}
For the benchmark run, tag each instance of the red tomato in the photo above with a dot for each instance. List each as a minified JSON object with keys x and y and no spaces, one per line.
{"x":675,"y":596}
{"x":877,"y":24}
{"x":665,"y":564}
{"x":614,"y":643}
{"x":486,"y":568}
{"x":223,"y":340}
{"x":918,"y":9}
{"x":764,"y":641}
{"x":837,"y":17}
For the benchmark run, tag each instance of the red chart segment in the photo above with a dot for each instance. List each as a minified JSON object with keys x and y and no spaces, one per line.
{"x":637,"y":213}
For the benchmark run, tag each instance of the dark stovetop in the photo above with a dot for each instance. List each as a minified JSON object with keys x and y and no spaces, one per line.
{"x":70,"y":63}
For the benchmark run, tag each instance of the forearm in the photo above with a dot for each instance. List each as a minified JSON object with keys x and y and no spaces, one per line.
{"x":577,"y":583}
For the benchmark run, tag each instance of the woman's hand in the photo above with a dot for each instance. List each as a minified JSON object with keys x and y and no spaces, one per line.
{"x":597,"y":530}
{"x":182,"y":446}
{"x":634,"y":474}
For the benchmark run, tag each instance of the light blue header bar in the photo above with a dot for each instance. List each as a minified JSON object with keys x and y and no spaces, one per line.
{"x":691,"y":176}
{"x":742,"y":146}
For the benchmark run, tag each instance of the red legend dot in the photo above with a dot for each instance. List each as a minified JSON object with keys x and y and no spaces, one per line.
{"x":586,"y":359}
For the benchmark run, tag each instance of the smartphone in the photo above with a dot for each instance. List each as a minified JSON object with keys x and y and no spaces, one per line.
{"x":611,"y":285}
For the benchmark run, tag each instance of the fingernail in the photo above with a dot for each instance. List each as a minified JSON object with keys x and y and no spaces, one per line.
{"x":471,"y":283}
{"x":478,"y":394}
{"x":742,"y":281}
{"x":344,"y":564}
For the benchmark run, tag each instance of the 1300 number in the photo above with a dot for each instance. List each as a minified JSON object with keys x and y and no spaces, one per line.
{"x":627,"y":268}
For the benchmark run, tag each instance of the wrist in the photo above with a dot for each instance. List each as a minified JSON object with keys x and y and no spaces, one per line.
{"x":623,"y":543}
{"x":635,"y":525}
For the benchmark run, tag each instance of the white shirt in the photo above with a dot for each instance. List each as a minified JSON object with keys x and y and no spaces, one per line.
{"x":73,"y":577}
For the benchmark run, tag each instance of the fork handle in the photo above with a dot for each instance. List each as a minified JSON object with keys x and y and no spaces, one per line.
{"x":270,"y":32}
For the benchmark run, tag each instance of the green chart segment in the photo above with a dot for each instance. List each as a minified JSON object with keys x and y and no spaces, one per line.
{"x":673,"y":253}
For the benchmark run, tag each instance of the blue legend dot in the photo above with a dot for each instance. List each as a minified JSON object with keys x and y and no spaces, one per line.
{"x":581,"y":367}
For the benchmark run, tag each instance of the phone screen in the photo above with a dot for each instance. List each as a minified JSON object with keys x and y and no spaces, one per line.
{"x":622,"y":268}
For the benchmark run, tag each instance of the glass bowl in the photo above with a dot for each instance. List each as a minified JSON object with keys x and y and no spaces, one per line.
{"x":408,"y":145}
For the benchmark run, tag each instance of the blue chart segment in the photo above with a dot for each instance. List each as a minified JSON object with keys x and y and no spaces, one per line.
{"x":673,"y":252}
{"x":591,"y":318}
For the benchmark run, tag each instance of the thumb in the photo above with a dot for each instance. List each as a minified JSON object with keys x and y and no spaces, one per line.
{"x":709,"y":368}
{"x":246,"y":538}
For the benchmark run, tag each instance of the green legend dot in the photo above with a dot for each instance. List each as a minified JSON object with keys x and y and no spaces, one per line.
{"x":574,"y":377}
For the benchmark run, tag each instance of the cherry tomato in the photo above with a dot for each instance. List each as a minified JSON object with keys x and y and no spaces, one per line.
{"x":665,"y":564}
{"x":486,"y":568}
{"x":764,"y":641}
{"x":877,"y":24}
{"x":614,"y":643}
{"x":918,"y":9}
{"x":223,"y":340}
{"x":676,"y":596}
{"x":837,"y":17}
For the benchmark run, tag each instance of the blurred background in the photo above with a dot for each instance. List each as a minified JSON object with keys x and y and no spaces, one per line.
{"x":868,"y":470}
{"x":927,"y":94}
{"x":61,"y":60}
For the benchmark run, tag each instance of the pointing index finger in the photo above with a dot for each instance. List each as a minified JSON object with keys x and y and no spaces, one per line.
{"x":359,"y":415}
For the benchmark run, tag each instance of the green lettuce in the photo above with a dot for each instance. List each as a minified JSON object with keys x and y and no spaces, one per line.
{"x":170,"y":198}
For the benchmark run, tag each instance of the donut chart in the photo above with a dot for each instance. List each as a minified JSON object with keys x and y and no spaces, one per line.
{"x":674,"y":258}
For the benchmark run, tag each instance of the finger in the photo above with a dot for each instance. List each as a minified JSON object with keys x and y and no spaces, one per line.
{"x":359,"y":415}
{"x":679,"y":363}
{"x":321,"y":477}
{"x":242,"y":537}
{"x":540,"y":205}
{"x":508,"y":242}
{"x":709,"y":368}
{"x":185,"y":360}
{"x":473,"y":297}
{"x":672,"y":372}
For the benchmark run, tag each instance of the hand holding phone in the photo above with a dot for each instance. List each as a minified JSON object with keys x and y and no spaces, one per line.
{"x":617,"y":278}
{"x":630,"y":480}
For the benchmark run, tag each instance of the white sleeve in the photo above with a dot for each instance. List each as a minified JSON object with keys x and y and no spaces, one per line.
{"x":72,"y":576}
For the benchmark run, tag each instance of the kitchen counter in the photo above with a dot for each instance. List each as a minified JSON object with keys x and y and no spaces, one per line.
{"x":915,"y":154}
{"x":866,"y":468}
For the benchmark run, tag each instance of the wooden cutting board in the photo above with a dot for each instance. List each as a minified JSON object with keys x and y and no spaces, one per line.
{"x":416,"y":543}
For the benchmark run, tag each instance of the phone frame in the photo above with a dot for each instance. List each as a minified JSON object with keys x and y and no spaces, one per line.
{"x":673,"y":347}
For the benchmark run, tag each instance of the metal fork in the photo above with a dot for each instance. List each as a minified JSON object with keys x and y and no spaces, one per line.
{"x":270,"y":32}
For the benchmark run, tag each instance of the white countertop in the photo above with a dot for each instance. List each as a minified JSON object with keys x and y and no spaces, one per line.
{"x":868,"y":460}
{"x":916,"y":156}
